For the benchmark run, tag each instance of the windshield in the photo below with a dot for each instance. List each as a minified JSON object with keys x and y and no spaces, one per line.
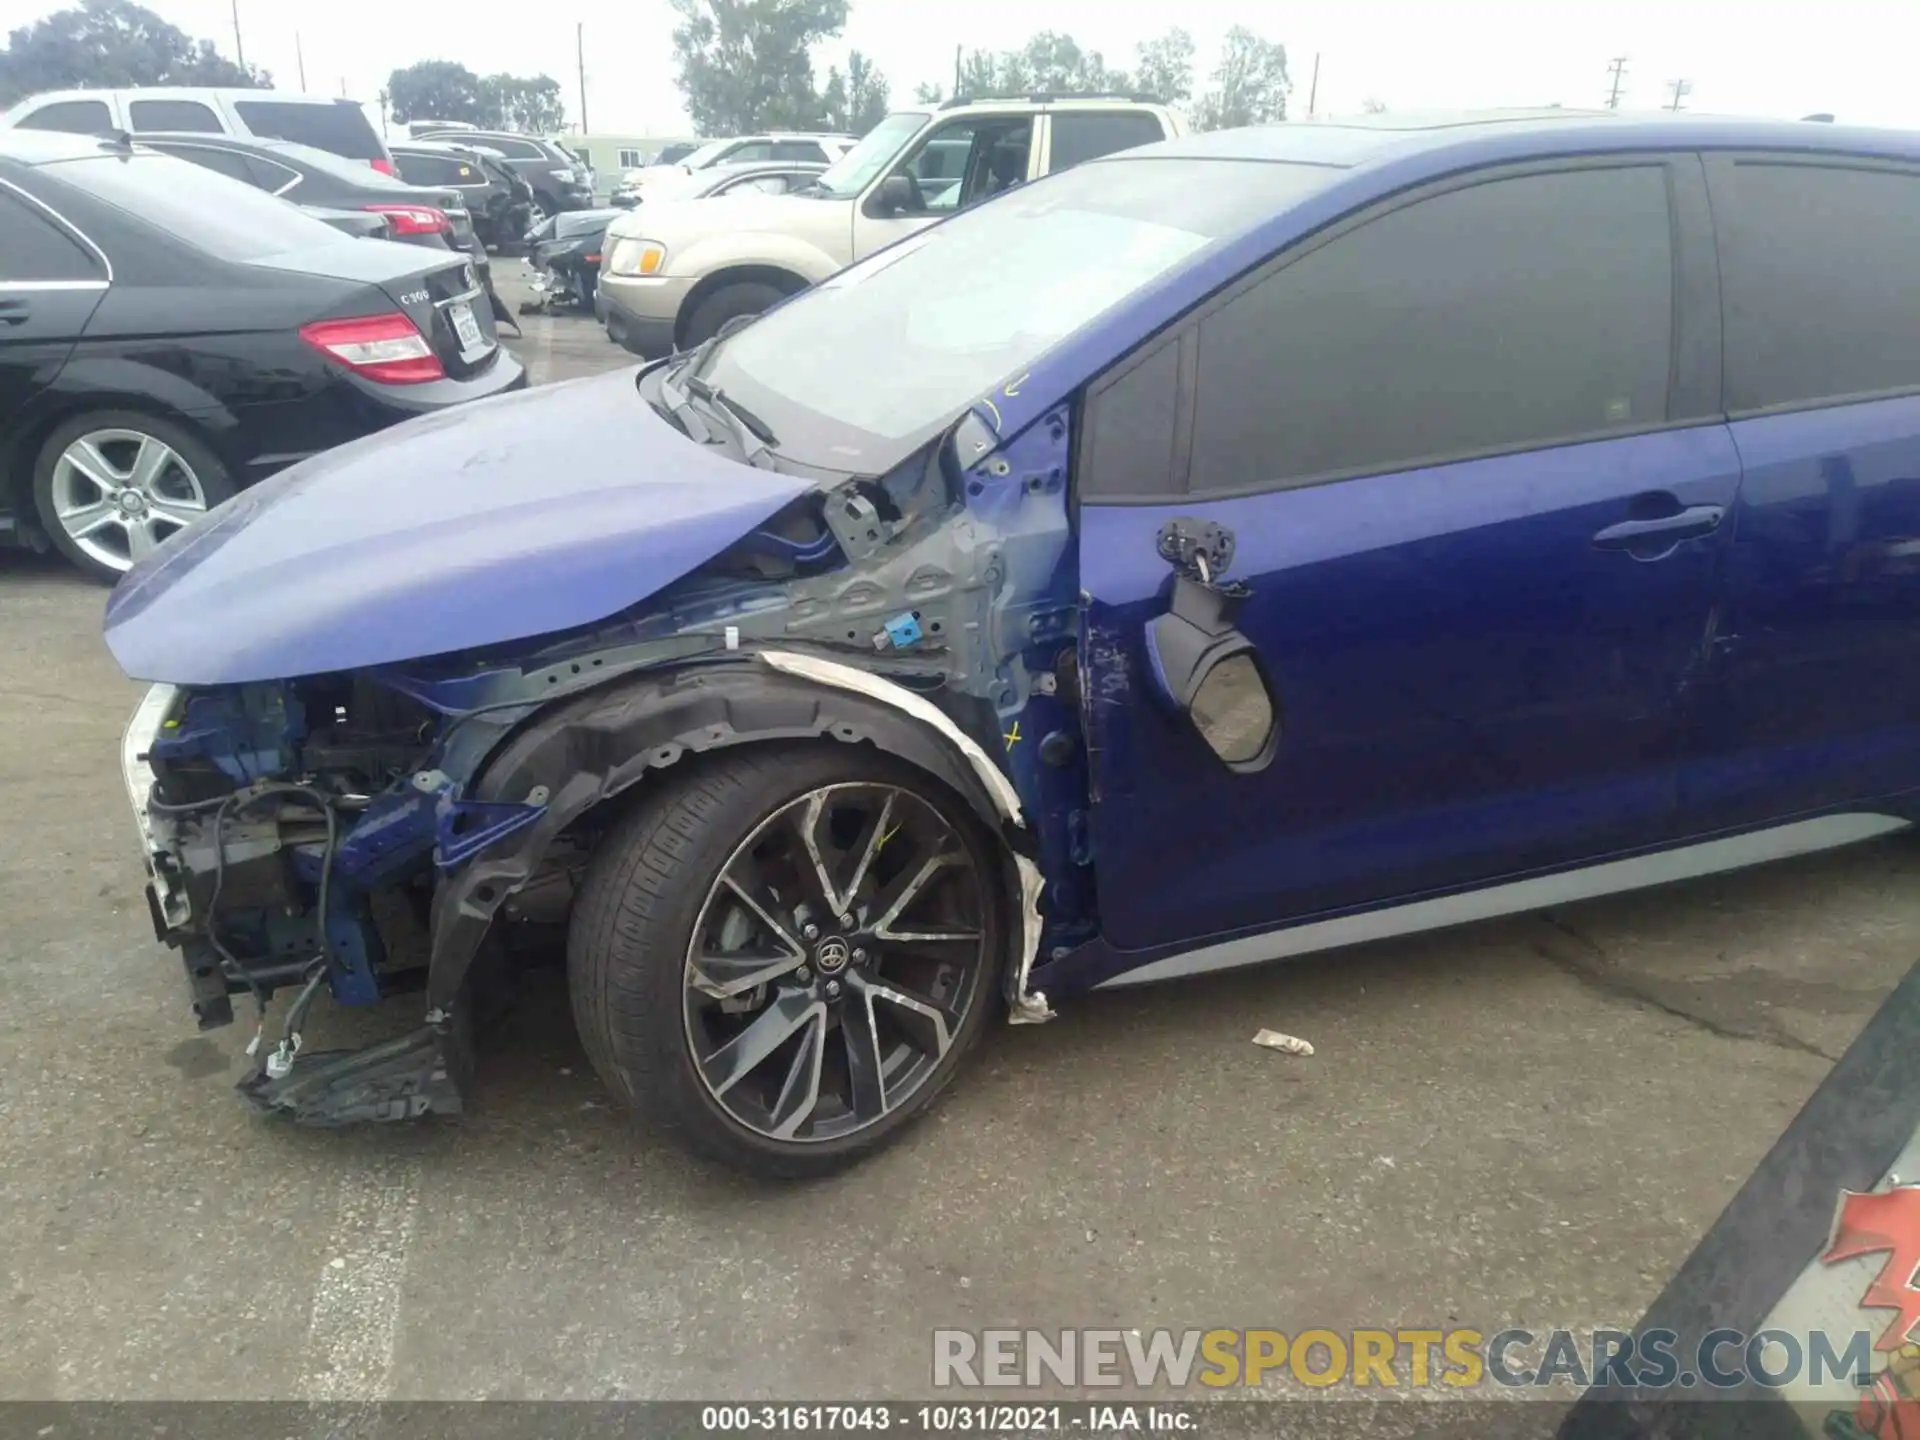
{"x":855,"y":373}
{"x":706,"y":154}
{"x":227,"y":218}
{"x":852,"y":172}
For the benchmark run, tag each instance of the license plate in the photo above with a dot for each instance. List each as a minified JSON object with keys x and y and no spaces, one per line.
{"x":466,"y":327}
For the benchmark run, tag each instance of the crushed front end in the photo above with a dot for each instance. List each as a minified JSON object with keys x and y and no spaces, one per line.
{"x":291,"y":831}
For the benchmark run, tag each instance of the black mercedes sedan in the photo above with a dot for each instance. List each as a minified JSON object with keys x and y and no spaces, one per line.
{"x":168,"y":337}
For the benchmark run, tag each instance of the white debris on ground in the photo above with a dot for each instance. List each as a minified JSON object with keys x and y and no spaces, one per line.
{"x":1285,"y":1044}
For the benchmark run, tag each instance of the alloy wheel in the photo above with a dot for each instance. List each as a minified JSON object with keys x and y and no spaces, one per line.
{"x":834,"y":961}
{"x":118,"y":493}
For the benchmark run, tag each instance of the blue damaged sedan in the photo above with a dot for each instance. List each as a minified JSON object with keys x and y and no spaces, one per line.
{"x":1218,"y":551}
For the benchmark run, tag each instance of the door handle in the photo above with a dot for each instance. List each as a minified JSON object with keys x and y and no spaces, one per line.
{"x":14,"y":312}
{"x":1688,"y":524}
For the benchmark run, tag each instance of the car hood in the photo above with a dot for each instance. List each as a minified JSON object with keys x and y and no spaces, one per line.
{"x":495,"y":521}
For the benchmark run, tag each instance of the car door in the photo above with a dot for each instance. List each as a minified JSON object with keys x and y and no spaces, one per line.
{"x":50,"y":283}
{"x":1816,"y":700}
{"x":1465,"y":453}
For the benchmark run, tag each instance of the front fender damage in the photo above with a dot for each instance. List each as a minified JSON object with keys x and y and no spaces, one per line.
{"x":596,"y":748}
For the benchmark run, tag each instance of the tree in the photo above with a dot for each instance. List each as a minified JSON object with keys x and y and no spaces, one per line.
{"x":856,"y":101}
{"x":445,"y":90}
{"x":1372,"y":106}
{"x":928,"y":93}
{"x":514,"y":102}
{"x":1165,"y":67}
{"x":436,"y":90}
{"x":1250,"y":84}
{"x":112,"y":43}
{"x":1049,"y":63}
{"x":745,"y":65}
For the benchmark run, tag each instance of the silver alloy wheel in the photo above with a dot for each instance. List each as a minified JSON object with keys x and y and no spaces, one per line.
{"x":118,"y":493}
{"x":837,"y":955}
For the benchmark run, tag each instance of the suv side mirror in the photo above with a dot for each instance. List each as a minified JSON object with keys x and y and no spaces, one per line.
{"x":895,"y":195}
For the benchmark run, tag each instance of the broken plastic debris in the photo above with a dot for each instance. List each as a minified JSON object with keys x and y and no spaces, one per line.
{"x":1285,"y":1044}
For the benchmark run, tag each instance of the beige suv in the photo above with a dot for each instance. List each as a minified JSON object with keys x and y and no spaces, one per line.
{"x":677,"y":270}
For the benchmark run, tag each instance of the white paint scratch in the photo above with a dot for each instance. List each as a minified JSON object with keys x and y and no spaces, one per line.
{"x":355,"y":1321}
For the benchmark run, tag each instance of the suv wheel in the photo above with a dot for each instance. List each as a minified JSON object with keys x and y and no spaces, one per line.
{"x":785,"y":957}
{"x":112,"y":485}
{"x":729,"y":302}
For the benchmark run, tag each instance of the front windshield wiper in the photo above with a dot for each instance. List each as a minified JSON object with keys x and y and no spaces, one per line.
{"x":742,"y":420}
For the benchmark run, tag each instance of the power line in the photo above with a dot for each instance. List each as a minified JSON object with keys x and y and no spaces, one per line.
{"x":1681,"y":89}
{"x":1618,"y":65}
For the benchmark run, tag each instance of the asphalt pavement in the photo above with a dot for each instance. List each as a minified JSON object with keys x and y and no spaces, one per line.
{"x":1526,"y":1122}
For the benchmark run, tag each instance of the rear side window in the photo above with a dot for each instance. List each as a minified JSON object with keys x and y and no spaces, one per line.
{"x":1816,"y":277}
{"x":342,"y":129}
{"x":1088,"y":137}
{"x":73,"y":117}
{"x":221,"y":162}
{"x":1515,"y":313}
{"x":33,"y":248}
{"x":435,"y":170}
{"x":174,"y":115}
{"x":752,"y":150}
{"x":808,"y":150}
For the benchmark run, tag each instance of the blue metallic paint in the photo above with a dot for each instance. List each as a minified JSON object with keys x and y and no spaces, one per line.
{"x":522,"y":516}
{"x":1467,"y":686}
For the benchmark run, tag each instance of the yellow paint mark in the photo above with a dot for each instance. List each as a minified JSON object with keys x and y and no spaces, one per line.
{"x":998,"y":423}
{"x":1012,"y":388}
{"x":1012,"y":737}
{"x":884,"y":838}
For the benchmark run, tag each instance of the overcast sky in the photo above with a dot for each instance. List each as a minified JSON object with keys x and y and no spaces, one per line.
{"x":1855,"y":58}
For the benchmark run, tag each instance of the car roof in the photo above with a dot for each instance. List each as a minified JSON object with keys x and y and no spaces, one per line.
{"x":41,"y":147}
{"x":1366,"y":139}
{"x":186,"y":92}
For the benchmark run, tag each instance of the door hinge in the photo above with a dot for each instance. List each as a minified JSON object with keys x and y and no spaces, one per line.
{"x":1198,"y":550}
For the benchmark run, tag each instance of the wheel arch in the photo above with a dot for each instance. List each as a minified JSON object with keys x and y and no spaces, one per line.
{"x":596,"y":750}
{"x":787,"y":282}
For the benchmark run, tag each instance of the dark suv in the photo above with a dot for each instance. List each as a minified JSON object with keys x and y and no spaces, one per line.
{"x":559,"y":179}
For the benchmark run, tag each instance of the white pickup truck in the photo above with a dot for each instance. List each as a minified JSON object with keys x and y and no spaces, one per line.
{"x":677,"y":270}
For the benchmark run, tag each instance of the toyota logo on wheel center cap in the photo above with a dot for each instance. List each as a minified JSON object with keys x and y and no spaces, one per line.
{"x":832,"y":956}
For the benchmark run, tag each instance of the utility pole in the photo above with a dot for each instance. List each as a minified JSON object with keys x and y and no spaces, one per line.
{"x":1313,"y":89}
{"x":301,"y":56}
{"x":239,"y":50}
{"x":1681,"y":89}
{"x":1618,"y":65}
{"x":958,"y":50}
{"x":385,"y":100}
{"x":580,"y":57}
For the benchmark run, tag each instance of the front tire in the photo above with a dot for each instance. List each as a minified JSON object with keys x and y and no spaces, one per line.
{"x":729,"y":302}
{"x":785,"y":957}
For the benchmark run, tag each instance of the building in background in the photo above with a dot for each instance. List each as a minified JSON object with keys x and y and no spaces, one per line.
{"x":611,"y":156}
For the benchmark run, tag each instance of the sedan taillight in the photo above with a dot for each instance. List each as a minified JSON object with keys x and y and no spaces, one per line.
{"x":384,"y":166}
{"x":413,"y":219}
{"x":387,"y":348}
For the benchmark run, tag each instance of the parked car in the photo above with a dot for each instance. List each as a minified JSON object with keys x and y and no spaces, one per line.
{"x":361,"y":224}
{"x":673,"y":154}
{"x":676,"y":273}
{"x":1214,"y":552}
{"x":500,"y":202}
{"x":417,"y":214}
{"x":336,"y":125}
{"x":558,"y":179}
{"x":564,"y":253}
{"x":809,"y":148}
{"x":752,"y":177}
{"x":169,"y":337}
